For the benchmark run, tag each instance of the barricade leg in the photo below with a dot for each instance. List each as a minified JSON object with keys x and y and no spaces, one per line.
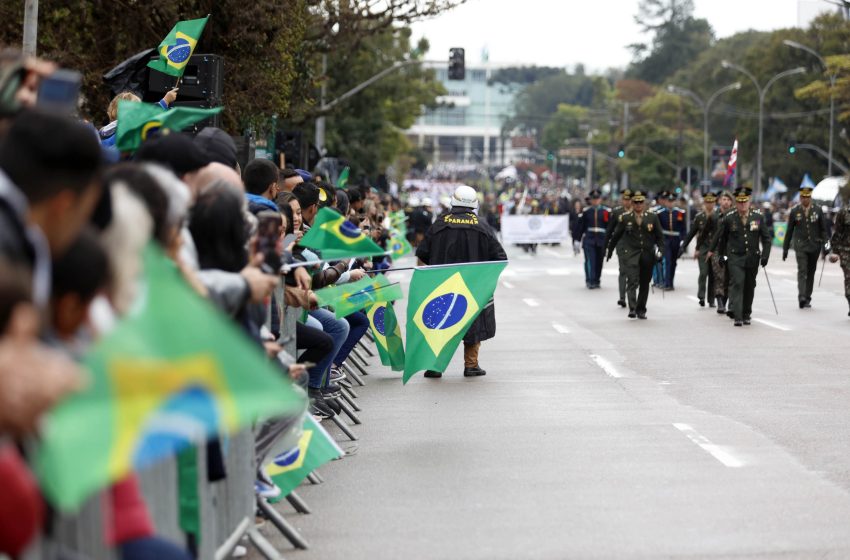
{"x":358,"y":366}
{"x":365,"y":348}
{"x":360,"y":357}
{"x":347,"y":410}
{"x":350,"y":372}
{"x":341,"y":425}
{"x":287,"y":530}
{"x":296,"y":502}
{"x":315,"y":478}
{"x":348,"y":388}
{"x":264,"y":546}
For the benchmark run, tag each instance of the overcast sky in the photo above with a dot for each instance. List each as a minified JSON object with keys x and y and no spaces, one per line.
{"x":593,"y":32}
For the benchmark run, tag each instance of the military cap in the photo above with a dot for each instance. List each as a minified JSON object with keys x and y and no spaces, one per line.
{"x":806,"y":190}
{"x":626,"y":194}
{"x":638,"y":196}
{"x":595,"y":193}
{"x":742,"y":194}
{"x":709,"y":197}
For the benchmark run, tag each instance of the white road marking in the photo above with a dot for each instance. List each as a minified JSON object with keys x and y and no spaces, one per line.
{"x":558,"y":271}
{"x":507,"y":285}
{"x":693,"y":298}
{"x":606,"y":366}
{"x":509,"y":272}
{"x":716,"y":451}
{"x":531,"y":302}
{"x":774,"y":325}
{"x":560,"y":328}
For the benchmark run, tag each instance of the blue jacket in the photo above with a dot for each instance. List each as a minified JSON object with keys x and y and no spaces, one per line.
{"x":673,"y":224}
{"x":593,"y":224}
{"x":108,"y":134}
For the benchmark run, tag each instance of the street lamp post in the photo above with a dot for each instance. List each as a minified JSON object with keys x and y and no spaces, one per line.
{"x":832,"y":79}
{"x":706,"y":107}
{"x":762,"y":94}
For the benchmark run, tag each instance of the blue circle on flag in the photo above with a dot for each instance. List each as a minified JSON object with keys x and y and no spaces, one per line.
{"x":379,"y":320}
{"x":349,"y":230}
{"x":180,"y":51}
{"x":288,"y":459}
{"x":445,"y":311}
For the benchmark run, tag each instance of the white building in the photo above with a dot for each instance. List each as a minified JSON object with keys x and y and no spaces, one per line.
{"x":467,"y":126}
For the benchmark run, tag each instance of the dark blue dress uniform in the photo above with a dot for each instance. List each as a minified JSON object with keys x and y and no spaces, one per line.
{"x":674,"y":227}
{"x":593,"y":224}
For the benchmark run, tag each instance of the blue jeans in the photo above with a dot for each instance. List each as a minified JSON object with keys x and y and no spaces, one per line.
{"x":338,"y":331}
{"x":152,"y":547}
{"x":359,"y":324}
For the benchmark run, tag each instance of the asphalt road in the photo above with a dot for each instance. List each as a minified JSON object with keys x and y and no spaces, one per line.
{"x":596,"y":436}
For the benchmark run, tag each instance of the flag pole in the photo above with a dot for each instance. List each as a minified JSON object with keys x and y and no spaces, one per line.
{"x":430,"y":266}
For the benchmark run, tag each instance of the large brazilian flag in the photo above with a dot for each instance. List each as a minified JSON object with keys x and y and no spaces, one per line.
{"x":443,"y":301}
{"x":173,"y":373}
{"x":387,"y":334}
{"x":137,"y":121}
{"x":177,"y":47}
{"x":337,"y":238}
{"x":351,"y":297}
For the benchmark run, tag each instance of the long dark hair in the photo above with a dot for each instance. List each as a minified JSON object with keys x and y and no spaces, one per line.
{"x":218,"y":228}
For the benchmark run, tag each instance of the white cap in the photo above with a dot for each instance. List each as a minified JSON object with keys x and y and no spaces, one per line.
{"x":465,"y":197}
{"x":427,"y":202}
{"x":413,"y":201}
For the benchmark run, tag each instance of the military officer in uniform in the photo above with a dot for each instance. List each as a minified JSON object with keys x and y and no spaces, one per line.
{"x":592,"y":226}
{"x":624,"y":207}
{"x":840,"y":245}
{"x":718,"y":264}
{"x":673,"y":227}
{"x":639,"y":234}
{"x":705,"y":223}
{"x":457,"y":236}
{"x":807,"y":231}
{"x":738,"y":239}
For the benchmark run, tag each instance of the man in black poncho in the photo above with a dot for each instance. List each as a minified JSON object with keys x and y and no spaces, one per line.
{"x":458,"y":237}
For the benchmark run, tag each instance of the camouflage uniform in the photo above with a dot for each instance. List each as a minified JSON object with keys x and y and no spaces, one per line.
{"x":840,"y":243}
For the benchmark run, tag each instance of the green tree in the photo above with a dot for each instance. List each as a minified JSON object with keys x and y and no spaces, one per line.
{"x":564,"y":125}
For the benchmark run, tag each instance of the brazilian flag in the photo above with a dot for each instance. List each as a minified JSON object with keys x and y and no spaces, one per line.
{"x":342,"y":180}
{"x":442,"y":303}
{"x":178,"y":46}
{"x":337,"y":238}
{"x":387,"y":334}
{"x":137,"y":121}
{"x":398,"y":245}
{"x":169,"y":376}
{"x":315,"y":448}
{"x":348,"y":298}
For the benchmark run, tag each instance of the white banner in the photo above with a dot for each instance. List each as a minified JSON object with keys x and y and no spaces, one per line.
{"x":535,"y":229}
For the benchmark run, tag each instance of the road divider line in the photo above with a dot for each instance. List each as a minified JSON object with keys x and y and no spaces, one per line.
{"x":718,"y":452}
{"x":507,"y":285}
{"x":693,"y":298}
{"x":531,"y":302}
{"x":774,"y":325}
{"x":558,"y":271}
{"x":560,"y":328}
{"x":606,"y":366}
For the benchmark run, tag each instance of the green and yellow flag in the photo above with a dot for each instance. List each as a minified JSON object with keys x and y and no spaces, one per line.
{"x":342,"y":180}
{"x":177,"y":47}
{"x":348,"y":298}
{"x":337,"y":238}
{"x":137,"y":121}
{"x":387,"y":334}
{"x":172,"y":374}
{"x":398,"y":245}
{"x":315,"y":448}
{"x":441,"y":304}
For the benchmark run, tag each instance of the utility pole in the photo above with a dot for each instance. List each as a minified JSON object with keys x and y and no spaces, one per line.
{"x":320,"y":120}
{"x":625,"y":177}
{"x":30,"y":27}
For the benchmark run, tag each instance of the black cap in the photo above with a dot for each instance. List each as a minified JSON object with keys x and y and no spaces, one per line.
{"x":626,"y":194}
{"x":217,"y":145}
{"x":742,"y":194}
{"x":174,"y":150}
{"x":595,"y":193}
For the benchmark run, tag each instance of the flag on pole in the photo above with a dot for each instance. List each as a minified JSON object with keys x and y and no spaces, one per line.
{"x":178,"y":46}
{"x":342,"y":180}
{"x":387,"y":334}
{"x":348,"y":298}
{"x":398,"y":245}
{"x":172,"y":374}
{"x":314,"y":449}
{"x":732,"y":165}
{"x":137,"y":121}
{"x":442,"y":303}
{"x":337,"y":238}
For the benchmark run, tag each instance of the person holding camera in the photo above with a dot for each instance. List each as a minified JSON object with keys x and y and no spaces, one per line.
{"x":638,"y":237}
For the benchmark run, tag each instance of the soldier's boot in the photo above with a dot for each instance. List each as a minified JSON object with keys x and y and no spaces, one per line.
{"x":721,"y":305}
{"x":848,"y":303}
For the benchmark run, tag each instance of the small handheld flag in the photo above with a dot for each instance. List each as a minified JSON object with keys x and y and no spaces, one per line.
{"x":178,"y":46}
{"x":342,"y":181}
{"x":315,"y":448}
{"x":348,"y":298}
{"x":387,"y":334}
{"x":337,"y":238}
{"x":138,"y":121}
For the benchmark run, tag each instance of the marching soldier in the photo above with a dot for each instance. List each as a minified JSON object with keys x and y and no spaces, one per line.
{"x":592,"y":227}
{"x":673,"y":225}
{"x":738,"y":239}
{"x":639,"y":234}
{"x":807,"y":226}
{"x":840,"y":246}
{"x":718,"y":265}
{"x":616,"y":216}
{"x":703,"y":228}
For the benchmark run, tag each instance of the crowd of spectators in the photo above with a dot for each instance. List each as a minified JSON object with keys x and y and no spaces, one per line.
{"x":75,"y":219}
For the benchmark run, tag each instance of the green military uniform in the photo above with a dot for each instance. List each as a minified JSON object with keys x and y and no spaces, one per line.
{"x":616,"y":215}
{"x":718,"y":262}
{"x":807,"y":232}
{"x":738,"y":239}
{"x":639,"y":238}
{"x":703,"y":229}
{"x":840,"y":245}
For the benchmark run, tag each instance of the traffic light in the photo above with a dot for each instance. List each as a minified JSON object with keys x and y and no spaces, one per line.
{"x":792,"y":147}
{"x":457,"y":64}
{"x":550,"y":156}
{"x":621,"y":153}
